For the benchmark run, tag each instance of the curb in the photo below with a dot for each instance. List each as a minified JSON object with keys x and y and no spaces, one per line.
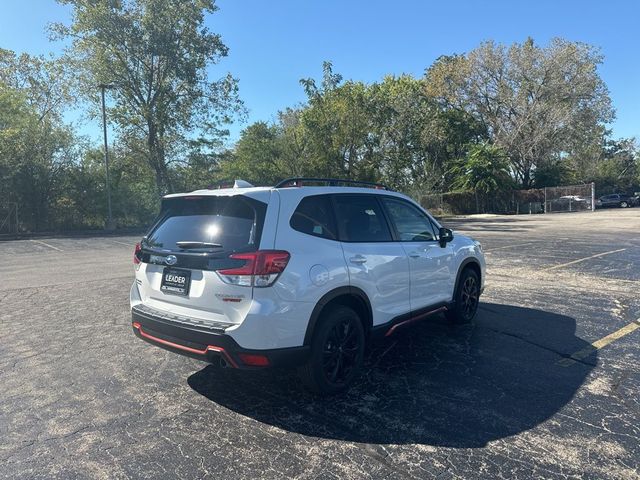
{"x":72,"y":234}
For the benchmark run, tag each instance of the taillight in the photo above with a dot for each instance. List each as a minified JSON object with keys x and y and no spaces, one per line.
{"x":261,"y":268}
{"x":136,"y":253}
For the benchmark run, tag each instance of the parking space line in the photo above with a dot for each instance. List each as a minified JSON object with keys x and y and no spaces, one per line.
{"x":121,"y":243}
{"x":598,"y":344}
{"x":509,"y":246}
{"x":46,"y":245}
{"x":584,"y":259}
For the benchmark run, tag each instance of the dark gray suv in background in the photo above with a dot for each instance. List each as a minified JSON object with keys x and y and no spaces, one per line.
{"x":621,"y":200}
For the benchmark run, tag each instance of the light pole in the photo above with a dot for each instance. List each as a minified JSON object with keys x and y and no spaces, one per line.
{"x":103,"y":87}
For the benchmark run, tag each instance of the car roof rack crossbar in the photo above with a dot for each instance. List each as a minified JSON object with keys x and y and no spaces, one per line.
{"x":332,"y":182}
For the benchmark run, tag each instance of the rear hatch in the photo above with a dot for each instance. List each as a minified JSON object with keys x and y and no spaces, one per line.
{"x":189,"y":245}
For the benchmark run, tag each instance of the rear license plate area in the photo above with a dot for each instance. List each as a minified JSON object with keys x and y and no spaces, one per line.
{"x":175,"y":281}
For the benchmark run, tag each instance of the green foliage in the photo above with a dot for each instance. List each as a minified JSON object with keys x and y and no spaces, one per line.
{"x":417,"y":139}
{"x":619,"y":168}
{"x":388,"y":131}
{"x":156,"y":54}
{"x":53,"y":175}
{"x":484,"y":122}
{"x":35,"y":149}
{"x":483,"y":170}
{"x":538,"y":103}
{"x":257,"y":156}
{"x":552,"y":173}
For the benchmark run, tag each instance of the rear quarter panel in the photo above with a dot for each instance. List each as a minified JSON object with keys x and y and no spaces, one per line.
{"x":316,"y":265}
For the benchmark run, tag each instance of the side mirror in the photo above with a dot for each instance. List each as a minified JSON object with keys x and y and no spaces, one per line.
{"x":445,"y":235}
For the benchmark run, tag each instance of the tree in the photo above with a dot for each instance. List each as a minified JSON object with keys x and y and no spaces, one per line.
{"x":295,"y":144}
{"x":484,"y":170}
{"x":257,"y":156}
{"x":537,"y":103}
{"x":416,"y":139}
{"x":156,"y":53}
{"x":36,"y":147}
{"x":47,"y":84}
{"x":337,"y":122}
{"x":553,"y":173}
{"x":619,"y":167}
{"x":387,"y":131}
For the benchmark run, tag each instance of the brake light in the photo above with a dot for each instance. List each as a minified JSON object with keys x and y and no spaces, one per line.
{"x":136,"y":252}
{"x":261,"y":268}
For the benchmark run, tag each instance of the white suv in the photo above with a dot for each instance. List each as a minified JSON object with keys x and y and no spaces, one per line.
{"x":296,"y":274}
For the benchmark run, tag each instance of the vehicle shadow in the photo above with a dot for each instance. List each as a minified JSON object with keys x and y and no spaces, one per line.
{"x":435,"y":384}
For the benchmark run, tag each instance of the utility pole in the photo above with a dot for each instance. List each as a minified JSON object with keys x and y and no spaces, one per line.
{"x":109,"y":225}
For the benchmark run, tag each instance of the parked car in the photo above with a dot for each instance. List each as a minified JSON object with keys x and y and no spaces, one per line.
{"x":571,"y":203}
{"x":575,"y":198}
{"x":621,"y":200}
{"x":297,"y":275}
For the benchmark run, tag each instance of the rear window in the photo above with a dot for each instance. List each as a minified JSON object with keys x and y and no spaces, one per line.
{"x":314,"y":216}
{"x":234,"y":222}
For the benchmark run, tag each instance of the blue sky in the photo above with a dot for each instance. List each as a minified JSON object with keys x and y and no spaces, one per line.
{"x":274,"y":44}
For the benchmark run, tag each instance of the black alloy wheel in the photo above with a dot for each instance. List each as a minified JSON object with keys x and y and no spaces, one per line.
{"x":470,"y":296}
{"x":337,"y":352}
{"x":466,"y":298}
{"x":340,"y":351}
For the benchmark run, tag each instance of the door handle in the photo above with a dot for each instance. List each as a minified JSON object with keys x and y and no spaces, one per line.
{"x":359,"y":259}
{"x":414,"y":254}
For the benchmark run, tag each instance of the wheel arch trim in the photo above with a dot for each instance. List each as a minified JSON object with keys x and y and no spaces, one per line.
{"x":464,"y":264}
{"x":328,"y":298}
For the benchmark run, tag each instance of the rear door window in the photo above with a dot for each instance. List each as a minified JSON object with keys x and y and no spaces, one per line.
{"x":360,"y":219}
{"x":314,"y":216}
{"x":232,"y":224}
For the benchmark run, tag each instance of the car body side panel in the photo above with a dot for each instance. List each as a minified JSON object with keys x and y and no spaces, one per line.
{"x":465,"y":248}
{"x":433,"y":270}
{"x":384,"y":277}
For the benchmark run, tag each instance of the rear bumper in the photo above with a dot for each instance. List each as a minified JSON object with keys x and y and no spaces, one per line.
{"x":216,"y":348}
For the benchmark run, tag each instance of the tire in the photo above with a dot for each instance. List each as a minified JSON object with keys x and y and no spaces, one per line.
{"x":466,"y":298}
{"x":624,"y":204}
{"x":337,"y":352}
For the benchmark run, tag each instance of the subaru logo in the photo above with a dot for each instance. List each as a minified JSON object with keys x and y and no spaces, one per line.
{"x":170,"y":259}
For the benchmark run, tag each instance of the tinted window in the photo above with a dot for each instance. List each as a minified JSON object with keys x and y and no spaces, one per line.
{"x":360,"y":219}
{"x":314,"y":217}
{"x":411,"y":224}
{"x":233,"y":222}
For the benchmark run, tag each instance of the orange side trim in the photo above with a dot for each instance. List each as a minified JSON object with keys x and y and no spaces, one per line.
{"x":414,"y":319}
{"x":210,"y":348}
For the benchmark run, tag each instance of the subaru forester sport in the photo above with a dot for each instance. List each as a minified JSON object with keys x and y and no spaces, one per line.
{"x":301,"y":274}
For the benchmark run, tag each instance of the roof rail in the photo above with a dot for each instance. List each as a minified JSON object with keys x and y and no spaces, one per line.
{"x":332,"y":182}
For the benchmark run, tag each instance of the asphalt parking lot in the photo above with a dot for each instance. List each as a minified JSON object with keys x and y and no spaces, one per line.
{"x":545,"y":383}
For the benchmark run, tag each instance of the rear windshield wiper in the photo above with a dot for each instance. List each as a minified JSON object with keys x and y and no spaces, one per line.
{"x":186,"y":245}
